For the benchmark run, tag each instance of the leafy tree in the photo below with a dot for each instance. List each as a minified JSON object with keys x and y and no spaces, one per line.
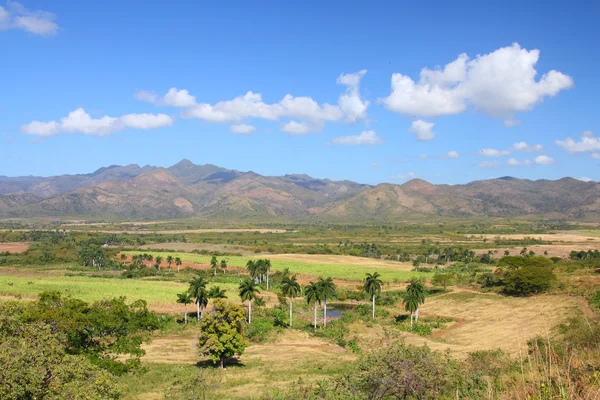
{"x":185,"y":299}
{"x":197,"y":290}
{"x":158,"y":260}
{"x":327,"y":288}
{"x":223,"y":265}
{"x":416,"y":289}
{"x":216,"y":292}
{"x":178,"y":263}
{"x":170,"y":261}
{"x":528,"y":280}
{"x":90,"y":256}
{"x":313,"y":295}
{"x":222,"y":332}
{"x":252,"y":269}
{"x":372,"y":286}
{"x":442,"y":279}
{"x":248,"y":292}
{"x":290,"y":288}
{"x":213,"y":264}
{"x":506,"y":253}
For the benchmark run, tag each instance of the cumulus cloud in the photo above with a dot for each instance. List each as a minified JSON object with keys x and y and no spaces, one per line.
{"x":513,"y":162}
{"x":422,"y":130}
{"x":596,"y":156}
{"x":453,"y":154}
{"x":79,"y":121}
{"x":584,"y":179}
{"x":16,"y":16}
{"x":588,"y":143}
{"x":488,"y":164}
{"x":310,"y":113}
{"x":499,"y":84}
{"x":523,"y":146}
{"x":295,"y":128}
{"x":494,"y":153}
{"x":403,"y":177}
{"x":242,"y":129}
{"x":366,"y":138}
{"x":543,"y":160}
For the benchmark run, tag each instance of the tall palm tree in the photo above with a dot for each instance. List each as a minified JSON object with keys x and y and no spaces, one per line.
{"x":327,"y":288}
{"x":198,"y":291}
{"x":372,"y":286}
{"x":312,"y":293}
{"x":185,"y":299}
{"x":170,"y":261}
{"x":416,"y":290}
{"x":158,"y":260}
{"x":248,"y":292}
{"x":178,"y":263}
{"x":411,"y":304}
{"x":291,"y":289}
{"x":251,"y":268}
{"x":213,"y":264}
{"x":149,"y":258}
{"x":216,"y":292}
{"x":223,"y":265}
{"x":267,"y":269}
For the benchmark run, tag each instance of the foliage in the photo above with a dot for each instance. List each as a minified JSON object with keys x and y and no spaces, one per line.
{"x":442,"y":279}
{"x":222,"y":332}
{"x":514,"y":262}
{"x":528,"y":280}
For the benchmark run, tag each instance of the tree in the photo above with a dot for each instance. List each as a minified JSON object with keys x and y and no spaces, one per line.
{"x":178,"y":263}
{"x":197,"y":290}
{"x":123,"y":258}
{"x":442,"y":279}
{"x":327,"y":288}
{"x":372,"y":286}
{"x":251,"y":268}
{"x":267,"y":269}
{"x":158,"y":260}
{"x":222,"y":332}
{"x":216,"y":292}
{"x":528,"y":280}
{"x":170,"y":261}
{"x":313,"y":295}
{"x":248,"y":292}
{"x":506,"y":253}
{"x":416,"y":290}
{"x":223,"y":265}
{"x":213,"y":265}
{"x":185,"y":299}
{"x":149,"y":258}
{"x":290,"y":288}
{"x":411,"y":304}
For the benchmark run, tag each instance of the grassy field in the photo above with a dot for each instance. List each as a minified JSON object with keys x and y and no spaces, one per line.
{"x":339,"y":267}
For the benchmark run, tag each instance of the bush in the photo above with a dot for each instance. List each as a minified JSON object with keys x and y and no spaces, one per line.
{"x":528,"y":280}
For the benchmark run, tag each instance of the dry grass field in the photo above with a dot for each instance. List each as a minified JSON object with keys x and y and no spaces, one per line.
{"x":13,"y":247}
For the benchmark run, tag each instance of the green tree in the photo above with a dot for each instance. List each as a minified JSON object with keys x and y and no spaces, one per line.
{"x":170,"y":261}
{"x":248,"y":292}
{"x":178,"y":263}
{"x":442,"y":279}
{"x":213,"y":265}
{"x":198,"y":292}
{"x":185,"y":299}
{"x":290,"y":288}
{"x":528,"y":280}
{"x":327,"y":288}
{"x":252,"y":269}
{"x":411,"y":304}
{"x":223,"y":265}
{"x":416,"y":290}
{"x":222,"y":332}
{"x":313,"y":295}
{"x":216,"y":292}
{"x":158,"y":260}
{"x":372,"y":285}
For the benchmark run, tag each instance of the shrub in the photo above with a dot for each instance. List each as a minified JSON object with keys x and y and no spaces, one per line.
{"x":528,"y":280}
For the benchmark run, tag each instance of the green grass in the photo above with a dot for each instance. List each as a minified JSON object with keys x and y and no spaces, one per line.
{"x":589,"y":232}
{"x":339,"y":271}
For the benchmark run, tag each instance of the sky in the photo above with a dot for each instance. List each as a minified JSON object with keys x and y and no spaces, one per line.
{"x":367,"y":91}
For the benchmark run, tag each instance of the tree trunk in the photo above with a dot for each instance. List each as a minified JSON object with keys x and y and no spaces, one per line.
{"x":373,"y":306}
{"x":325,"y":312}
{"x":222,"y":363}
{"x":417,"y":315}
{"x":290,"y":311}
{"x":411,"y":320}
{"x":197,"y":311}
{"x":267,"y":280}
{"x":249,"y":311}
{"x":185,"y":316}
{"x":315,"y":316}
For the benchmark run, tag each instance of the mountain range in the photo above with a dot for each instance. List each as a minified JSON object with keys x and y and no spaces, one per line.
{"x":186,"y":189}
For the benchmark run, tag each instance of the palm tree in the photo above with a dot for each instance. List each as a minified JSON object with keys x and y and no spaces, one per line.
{"x":149,"y":258}
{"x":313,"y":295}
{"x":327,"y":288}
{"x":251,"y":268}
{"x":198,"y":291}
{"x":372,"y":286}
{"x":411,"y":304}
{"x":185,"y":299}
{"x":416,"y":290}
{"x":248,"y":292}
{"x":178,"y":263}
{"x":216,"y":292}
{"x":267,"y":269}
{"x":213,"y":264}
{"x":223,"y":265}
{"x":123,"y":258}
{"x":290,"y":288}
{"x":158,"y":261}
{"x":169,"y":261}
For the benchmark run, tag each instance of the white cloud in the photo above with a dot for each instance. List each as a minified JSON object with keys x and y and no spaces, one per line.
{"x":374,"y":164}
{"x":499,"y":84}
{"x":422,"y":130}
{"x":242,"y":129}
{"x":82,"y":122}
{"x":596,"y":156}
{"x":543,"y":160}
{"x":494,"y":153}
{"x":588,"y":143}
{"x":513,"y":162}
{"x":488,"y":164}
{"x":510,"y":122}
{"x":295,"y":128}
{"x":366,"y":138}
{"x":403,"y":177}
{"x":584,"y":179}
{"x":453,"y":154}
{"x":312,"y":115}
{"x":523,"y":146}
{"x":16,"y":16}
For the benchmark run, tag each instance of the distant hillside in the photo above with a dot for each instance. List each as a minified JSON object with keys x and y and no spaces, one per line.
{"x":187,"y":189}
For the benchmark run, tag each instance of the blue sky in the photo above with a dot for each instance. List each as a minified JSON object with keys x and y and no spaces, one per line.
{"x":90,"y":84}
